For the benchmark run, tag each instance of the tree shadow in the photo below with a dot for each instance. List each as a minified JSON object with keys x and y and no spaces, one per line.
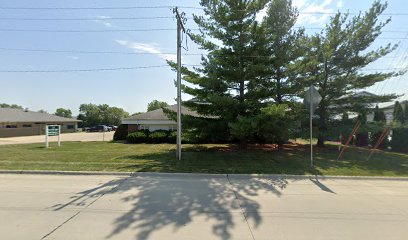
{"x":158,"y":201}
{"x":221,"y":159}
{"x":354,"y":161}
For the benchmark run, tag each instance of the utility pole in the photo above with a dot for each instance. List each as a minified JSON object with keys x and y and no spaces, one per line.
{"x":180,"y":28}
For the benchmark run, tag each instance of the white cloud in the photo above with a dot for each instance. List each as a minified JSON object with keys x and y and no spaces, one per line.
{"x":311,"y":10}
{"x":103,"y":20}
{"x":148,"y":48}
{"x":313,"y":13}
{"x":299,"y":3}
{"x":73,"y":57}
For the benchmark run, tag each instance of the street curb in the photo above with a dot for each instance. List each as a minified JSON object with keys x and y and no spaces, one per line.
{"x":207,"y":175}
{"x":322,"y":177}
{"x":44,"y":172}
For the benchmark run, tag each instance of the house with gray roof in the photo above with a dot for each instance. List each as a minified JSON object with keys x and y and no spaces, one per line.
{"x":156,"y":119}
{"x":20,"y":122}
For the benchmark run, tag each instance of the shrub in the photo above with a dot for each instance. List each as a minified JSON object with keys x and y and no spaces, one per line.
{"x":137,"y":137}
{"x":172,"y":137}
{"x":157,"y":137}
{"x":399,"y":142}
{"x":374,"y":139}
{"x":362,"y":139}
{"x":121,"y":133}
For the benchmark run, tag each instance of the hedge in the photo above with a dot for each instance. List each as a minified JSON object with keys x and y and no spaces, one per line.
{"x":375,"y":136}
{"x":137,"y":137}
{"x":159,"y":136}
{"x":121,"y":133}
{"x":399,"y":142}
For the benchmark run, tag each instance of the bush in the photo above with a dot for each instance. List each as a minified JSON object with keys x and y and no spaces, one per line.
{"x":399,"y":142}
{"x":121,"y":133}
{"x":137,"y":137}
{"x":157,"y":137}
{"x":362,"y":139}
{"x":172,"y":137}
{"x":374,"y":139}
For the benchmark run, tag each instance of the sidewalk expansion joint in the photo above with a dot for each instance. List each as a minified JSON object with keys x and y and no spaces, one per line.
{"x":241,"y":207}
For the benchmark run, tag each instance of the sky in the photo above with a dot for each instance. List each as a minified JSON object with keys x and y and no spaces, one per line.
{"x":97,"y":30}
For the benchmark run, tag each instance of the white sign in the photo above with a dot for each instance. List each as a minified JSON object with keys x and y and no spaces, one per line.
{"x":312,"y":100}
{"x":52,"y":130}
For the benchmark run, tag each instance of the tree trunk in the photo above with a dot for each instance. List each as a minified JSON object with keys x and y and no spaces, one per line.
{"x":278,"y":87}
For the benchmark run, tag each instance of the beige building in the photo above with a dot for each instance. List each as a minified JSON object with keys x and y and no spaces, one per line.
{"x":155,"y":120}
{"x":19,"y":122}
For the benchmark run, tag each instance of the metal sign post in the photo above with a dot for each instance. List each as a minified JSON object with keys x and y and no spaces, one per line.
{"x":312,"y":100}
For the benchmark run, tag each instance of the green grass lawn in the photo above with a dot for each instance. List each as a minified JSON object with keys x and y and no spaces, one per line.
{"x":118,"y":157}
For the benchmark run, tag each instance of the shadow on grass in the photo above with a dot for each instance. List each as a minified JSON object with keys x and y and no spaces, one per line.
{"x":354,"y":162}
{"x":201,"y":159}
{"x":173,"y":202}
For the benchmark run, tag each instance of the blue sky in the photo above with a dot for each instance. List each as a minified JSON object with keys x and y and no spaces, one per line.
{"x":132,"y":89}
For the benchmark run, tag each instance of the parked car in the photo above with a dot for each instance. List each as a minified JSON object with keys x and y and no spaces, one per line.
{"x":113,"y":127}
{"x":99,"y":128}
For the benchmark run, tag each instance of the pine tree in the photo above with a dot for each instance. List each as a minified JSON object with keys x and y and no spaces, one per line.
{"x":223,"y":86}
{"x":284,"y":46}
{"x":334,"y":60}
{"x":379,"y":115}
{"x":398,"y":113}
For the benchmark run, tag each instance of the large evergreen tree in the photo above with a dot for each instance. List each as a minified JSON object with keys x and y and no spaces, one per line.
{"x":406,"y":111}
{"x":224,"y":85}
{"x":335,"y":61}
{"x":379,"y":115}
{"x":398,"y":113}
{"x":283,"y":46}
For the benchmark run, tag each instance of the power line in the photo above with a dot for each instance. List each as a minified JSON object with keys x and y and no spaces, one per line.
{"x":83,"y":70}
{"x":87,"y":8}
{"x":86,"y":31}
{"x":184,"y":7}
{"x":147,"y":30}
{"x":128,"y":53}
{"x":82,"y":19}
{"x":131,"y":68}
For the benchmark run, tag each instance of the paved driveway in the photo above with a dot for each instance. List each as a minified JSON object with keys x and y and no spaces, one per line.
{"x":148,"y":206}
{"x":66,"y":137}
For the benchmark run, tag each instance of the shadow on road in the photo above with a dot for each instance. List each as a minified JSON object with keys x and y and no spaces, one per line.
{"x":156,"y":202}
{"x":321,"y":185}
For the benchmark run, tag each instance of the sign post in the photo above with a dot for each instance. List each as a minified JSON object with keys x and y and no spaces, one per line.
{"x":311,"y":101}
{"x":52,"y":130}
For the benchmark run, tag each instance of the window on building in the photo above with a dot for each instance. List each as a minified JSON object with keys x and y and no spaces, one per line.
{"x":70,"y":126}
{"x":11,"y":126}
{"x":27,"y":125}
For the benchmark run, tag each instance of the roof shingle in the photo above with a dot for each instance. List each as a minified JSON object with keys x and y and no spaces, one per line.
{"x":20,"y":115}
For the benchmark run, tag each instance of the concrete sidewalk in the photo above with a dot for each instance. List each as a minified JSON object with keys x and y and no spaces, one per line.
{"x":200,"y":207}
{"x":66,"y":137}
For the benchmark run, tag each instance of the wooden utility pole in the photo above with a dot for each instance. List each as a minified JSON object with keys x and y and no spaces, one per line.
{"x":180,"y":28}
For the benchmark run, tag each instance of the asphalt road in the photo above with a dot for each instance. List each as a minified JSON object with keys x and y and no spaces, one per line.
{"x":151,"y":206}
{"x":66,"y":137}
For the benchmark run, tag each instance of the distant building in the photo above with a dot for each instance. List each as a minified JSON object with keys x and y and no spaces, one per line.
{"x":20,"y":122}
{"x":155,"y":120}
{"x":389,"y":111}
